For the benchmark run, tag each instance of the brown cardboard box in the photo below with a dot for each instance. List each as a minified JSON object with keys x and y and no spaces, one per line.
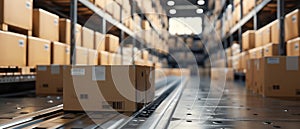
{"x":249,"y":40}
{"x":293,"y":47}
{"x":275,"y":31}
{"x":258,"y":38}
{"x":145,"y":55}
{"x":244,"y":58}
{"x":111,"y":59}
{"x":45,"y":84}
{"x":100,"y":3}
{"x":87,"y":38}
{"x":260,"y":52}
{"x":93,"y":57}
{"x":99,"y":42}
{"x":278,"y":73}
{"x":45,"y":25}
{"x":13,"y":49}
{"x":81,"y":56}
{"x":10,"y":13}
{"x":103,"y":58}
{"x":68,"y":54}
{"x":111,"y":43}
{"x":266,"y":35}
{"x":118,"y":59}
{"x":60,"y":54}
{"x":249,"y":74}
{"x":105,"y":91}
{"x":271,"y":50}
{"x":257,"y":77}
{"x":39,"y":51}
{"x":65,"y":32}
{"x":145,"y":25}
{"x":292,"y":23}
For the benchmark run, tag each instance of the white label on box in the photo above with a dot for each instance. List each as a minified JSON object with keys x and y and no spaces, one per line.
{"x":77,"y":72}
{"x":292,"y":63}
{"x":67,"y":51}
{"x":55,"y":69}
{"x":267,"y":50}
{"x":21,"y":43}
{"x":296,"y":46}
{"x":46,"y":47}
{"x":41,"y":68}
{"x":273,"y":61}
{"x":56,"y":22}
{"x":294,"y":19}
{"x":28,"y":4}
{"x":257,"y":64}
{"x":98,"y":73}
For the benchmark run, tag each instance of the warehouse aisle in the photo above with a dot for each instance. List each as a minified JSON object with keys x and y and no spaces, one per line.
{"x":236,"y":109}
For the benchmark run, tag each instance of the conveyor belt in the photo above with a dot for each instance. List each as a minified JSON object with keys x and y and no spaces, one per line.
{"x":49,"y":113}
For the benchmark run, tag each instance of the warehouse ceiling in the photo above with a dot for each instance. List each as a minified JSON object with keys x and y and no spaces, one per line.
{"x":185,"y":8}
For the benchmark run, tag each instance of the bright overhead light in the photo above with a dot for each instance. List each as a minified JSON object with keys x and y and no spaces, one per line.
{"x":172,"y":11}
{"x":201,"y":2}
{"x":171,"y":3}
{"x":199,"y":11}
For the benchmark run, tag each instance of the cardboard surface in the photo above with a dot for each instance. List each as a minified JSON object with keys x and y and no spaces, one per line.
{"x":87,"y":38}
{"x":44,"y":80}
{"x":292,"y":25}
{"x":13,"y":49}
{"x":93,"y":57}
{"x":81,"y":56}
{"x":39,"y":51}
{"x":249,"y":40}
{"x":111,"y":43}
{"x":10,"y":13}
{"x":45,"y":25}
{"x":65,"y":32}
{"x":60,"y":54}
{"x":271,"y":50}
{"x":103,"y":58}
{"x":95,"y":88}
{"x":99,"y":42}
{"x":259,"y":38}
{"x":293,"y":47}
{"x":275,"y":31}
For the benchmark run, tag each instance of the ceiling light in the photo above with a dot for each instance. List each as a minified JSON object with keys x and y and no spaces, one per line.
{"x":172,"y":11}
{"x":199,"y":11}
{"x":201,"y":2}
{"x":171,"y":3}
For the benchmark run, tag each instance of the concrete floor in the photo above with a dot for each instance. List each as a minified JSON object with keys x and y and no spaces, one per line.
{"x":232,"y":107}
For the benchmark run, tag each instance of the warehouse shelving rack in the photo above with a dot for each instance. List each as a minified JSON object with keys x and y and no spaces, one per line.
{"x":78,"y":11}
{"x":256,"y":17}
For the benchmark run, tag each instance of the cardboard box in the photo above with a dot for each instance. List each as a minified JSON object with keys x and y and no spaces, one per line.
{"x":277,"y":76}
{"x":45,"y":25}
{"x":293,"y":47}
{"x":244,"y":58}
{"x":13,"y":49}
{"x":93,"y":57}
{"x":145,"y":25}
{"x":65,"y":32}
{"x":266,"y":35}
{"x":45,"y":76}
{"x":257,"y":77}
{"x":249,"y":74}
{"x":256,"y":53}
{"x":118,"y":59}
{"x":103,"y":58}
{"x":292,"y":25}
{"x":145,"y":55}
{"x":39,"y":51}
{"x":275,"y":31}
{"x":81,"y":56}
{"x":111,"y":43}
{"x":111,"y":58}
{"x":87,"y":38}
{"x":271,"y":50}
{"x":60,"y":53}
{"x":10,"y":13}
{"x":259,"y":38}
{"x":249,"y":40}
{"x":99,"y":42}
{"x":105,"y":91}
